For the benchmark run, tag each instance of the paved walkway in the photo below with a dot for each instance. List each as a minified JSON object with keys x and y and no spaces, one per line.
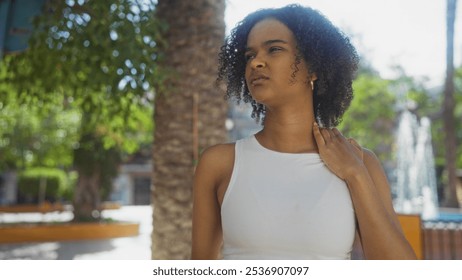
{"x":126,"y":248}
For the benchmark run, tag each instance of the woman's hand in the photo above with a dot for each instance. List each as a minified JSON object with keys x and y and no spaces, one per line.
{"x":344,"y":157}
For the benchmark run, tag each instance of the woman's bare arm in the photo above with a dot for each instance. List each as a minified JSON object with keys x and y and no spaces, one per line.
{"x":207,"y":235}
{"x":378,"y":226}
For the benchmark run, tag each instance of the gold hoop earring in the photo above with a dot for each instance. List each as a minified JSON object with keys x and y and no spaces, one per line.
{"x":312,"y":85}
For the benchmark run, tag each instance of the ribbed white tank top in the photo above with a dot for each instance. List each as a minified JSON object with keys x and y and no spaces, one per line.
{"x":285,"y":206}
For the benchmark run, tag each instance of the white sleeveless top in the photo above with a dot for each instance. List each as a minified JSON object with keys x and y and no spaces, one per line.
{"x":285,"y":206}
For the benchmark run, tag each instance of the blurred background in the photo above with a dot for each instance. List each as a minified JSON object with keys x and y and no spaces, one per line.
{"x":105,"y":107}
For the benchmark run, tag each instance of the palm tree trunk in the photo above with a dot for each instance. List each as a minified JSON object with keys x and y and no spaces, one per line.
{"x":448,"y":110}
{"x":189,"y":114}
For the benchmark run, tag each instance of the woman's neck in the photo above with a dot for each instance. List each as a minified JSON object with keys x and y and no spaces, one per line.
{"x":288,"y":130}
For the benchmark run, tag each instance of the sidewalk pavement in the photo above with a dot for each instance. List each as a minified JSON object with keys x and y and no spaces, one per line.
{"x":124,"y":248}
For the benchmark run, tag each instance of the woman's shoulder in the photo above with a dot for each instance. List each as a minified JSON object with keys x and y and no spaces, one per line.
{"x":218,"y":159}
{"x":375,"y":169}
{"x":218,"y":152}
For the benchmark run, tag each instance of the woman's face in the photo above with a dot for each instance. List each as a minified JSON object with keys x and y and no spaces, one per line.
{"x":271,"y":53}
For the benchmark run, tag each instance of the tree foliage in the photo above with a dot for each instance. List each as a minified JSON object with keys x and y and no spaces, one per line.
{"x":96,"y":57}
{"x":99,"y":56}
{"x":30,"y":138}
{"x":107,"y":47}
{"x":371,"y":116}
{"x":95,"y":60}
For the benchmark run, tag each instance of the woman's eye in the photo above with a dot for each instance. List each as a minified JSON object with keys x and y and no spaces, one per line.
{"x":249,"y":56}
{"x":274,"y":49}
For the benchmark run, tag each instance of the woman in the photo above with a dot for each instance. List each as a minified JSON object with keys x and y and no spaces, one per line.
{"x":298,"y":189}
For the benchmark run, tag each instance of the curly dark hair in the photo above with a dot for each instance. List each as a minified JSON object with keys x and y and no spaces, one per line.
{"x":326,"y":50}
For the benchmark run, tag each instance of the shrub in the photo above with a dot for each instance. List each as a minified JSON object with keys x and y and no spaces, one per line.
{"x":55,"y":180}
{"x":68,"y":193}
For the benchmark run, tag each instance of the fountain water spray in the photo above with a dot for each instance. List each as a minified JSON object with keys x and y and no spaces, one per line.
{"x":416,"y":180}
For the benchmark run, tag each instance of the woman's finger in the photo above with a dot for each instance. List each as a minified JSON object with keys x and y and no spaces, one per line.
{"x":336,"y":132}
{"x":354,"y":143}
{"x":325,"y":134}
{"x":338,"y":135}
{"x":332,"y":134}
{"x":357,"y":147}
{"x":317,"y":135}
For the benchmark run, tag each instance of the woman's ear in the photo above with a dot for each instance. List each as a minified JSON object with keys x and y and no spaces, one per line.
{"x":313,"y":77}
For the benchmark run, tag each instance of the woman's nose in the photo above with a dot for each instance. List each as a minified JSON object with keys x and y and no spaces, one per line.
{"x":257,"y":62}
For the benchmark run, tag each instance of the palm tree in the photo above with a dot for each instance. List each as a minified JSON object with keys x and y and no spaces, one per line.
{"x":189,"y":114}
{"x":448,"y":109}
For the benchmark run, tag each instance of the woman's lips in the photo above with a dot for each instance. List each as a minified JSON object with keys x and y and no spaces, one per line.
{"x":258,"y":80}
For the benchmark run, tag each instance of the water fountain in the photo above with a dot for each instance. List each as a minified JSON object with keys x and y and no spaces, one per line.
{"x":415,"y":190}
{"x":416,"y":180}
